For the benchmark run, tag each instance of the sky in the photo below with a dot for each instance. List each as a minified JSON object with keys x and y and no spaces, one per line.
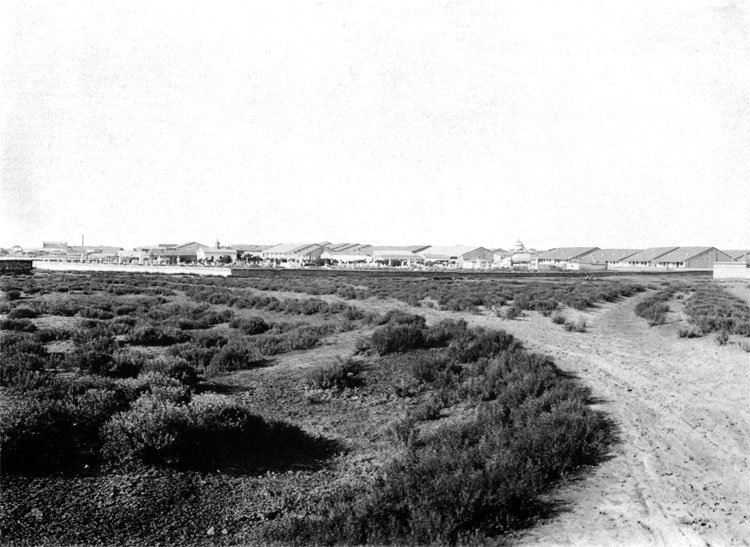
{"x":610,"y":124}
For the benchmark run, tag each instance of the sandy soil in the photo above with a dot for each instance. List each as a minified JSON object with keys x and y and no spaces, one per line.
{"x":681,"y":473}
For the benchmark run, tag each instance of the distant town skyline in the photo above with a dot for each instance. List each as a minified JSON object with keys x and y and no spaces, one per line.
{"x":561,"y":124}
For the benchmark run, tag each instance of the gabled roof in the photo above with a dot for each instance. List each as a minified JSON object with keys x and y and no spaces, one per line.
{"x":652,"y":253}
{"x":681,"y":254}
{"x":500,"y":250}
{"x":395,"y":254}
{"x":409,"y":248}
{"x":249,"y":247}
{"x":567,"y":253}
{"x":292,"y":248}
{"x":738,"y":253}
{"x":437,"y":252}
{"x":610,"y":255}
{"x":214,"y":250}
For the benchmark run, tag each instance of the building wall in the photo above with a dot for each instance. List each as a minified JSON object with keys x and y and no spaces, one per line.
{"x":706,"y":260}
{"x":731,"y":270}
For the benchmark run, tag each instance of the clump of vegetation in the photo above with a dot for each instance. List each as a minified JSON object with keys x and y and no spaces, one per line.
{"x":558,"y":318}
{"x":575,"y":326}
{"x":250,"y":325}
{"x":339,"y":375}
{"x":473,"y":477}
{"x":712,"y":308}
{"x":654,"y":308}
{"x":235,"y":356}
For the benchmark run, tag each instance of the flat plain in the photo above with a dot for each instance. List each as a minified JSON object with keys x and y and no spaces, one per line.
{"x":663,"y":459}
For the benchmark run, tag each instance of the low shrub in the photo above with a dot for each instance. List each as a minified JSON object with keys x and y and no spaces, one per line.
{"x":398,"y":338}
{"x":22,"y":312}
{"x":575,"y":326}
{"x":250,"y":325}
{"x":722,"y":338}
{"x":558,"y":318}
{"x":206,"y":432}
{"x":341,"y":374}
{"x":690,"y":332}
{"x":195,"y":355}
{"x":235,"y":356}
{"x":156,"y":335}
{"x":18,"y":325}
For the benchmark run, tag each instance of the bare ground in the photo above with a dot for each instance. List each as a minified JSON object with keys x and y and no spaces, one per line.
{"x":681,"y":473}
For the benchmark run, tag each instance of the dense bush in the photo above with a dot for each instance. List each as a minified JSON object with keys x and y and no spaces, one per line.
{"x":235,"y":356}
{"x":18,"y":325}
{"x":338,"y":375}
{"x":205,"y":432}
{"x":22,"y":312}
{"x":711,"y":308}
{"x":250,"y":325}
{"x":474,"y":477}
{"x":22,"y":362}
{"x":156,"y":335}
{"x":654,"y":308}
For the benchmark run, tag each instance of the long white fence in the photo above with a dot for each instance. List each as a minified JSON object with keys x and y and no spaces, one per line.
{"x":731,"y":270}
{"x":136,"y":268}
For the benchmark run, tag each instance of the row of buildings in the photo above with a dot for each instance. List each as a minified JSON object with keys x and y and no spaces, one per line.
{"x":354,"y":255}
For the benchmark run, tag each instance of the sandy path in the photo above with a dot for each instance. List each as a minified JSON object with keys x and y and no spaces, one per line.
{"x":681,"y":475}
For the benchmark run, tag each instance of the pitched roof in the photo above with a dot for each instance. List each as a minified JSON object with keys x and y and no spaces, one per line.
{"x":681,"y":254}
{"x":610,"y":255}
{"x":652,"y":253}
{"x":249,"y":247}
{"x":396,"y":254}
{"x":436,"y":252}
{"x":214,"y":250}
{"x":292,"y":248}
{"x":738,"y":253}
{"x":409,"y":248}
{"x":567,"y":253}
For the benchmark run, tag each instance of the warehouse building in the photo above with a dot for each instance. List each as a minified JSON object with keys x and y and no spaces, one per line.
{"x":643,"y":259}
{"x":559,"y":257}
{"x":691,"y":258}
{"x":294,"y":253}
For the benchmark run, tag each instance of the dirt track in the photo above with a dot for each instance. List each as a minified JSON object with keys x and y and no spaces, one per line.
{"x":681,"y":475}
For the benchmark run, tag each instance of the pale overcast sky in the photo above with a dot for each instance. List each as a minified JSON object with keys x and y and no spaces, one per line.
{"x":615,"y":124}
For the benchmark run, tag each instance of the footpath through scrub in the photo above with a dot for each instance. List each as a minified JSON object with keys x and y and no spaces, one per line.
{"x":680,"y":475}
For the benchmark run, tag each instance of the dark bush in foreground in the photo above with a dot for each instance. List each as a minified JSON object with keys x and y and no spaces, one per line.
{"x":207,"y":431}
{"x":56,"y":427}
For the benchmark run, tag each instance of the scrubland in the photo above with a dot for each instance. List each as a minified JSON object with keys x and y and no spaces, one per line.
{"x":193,"y":411}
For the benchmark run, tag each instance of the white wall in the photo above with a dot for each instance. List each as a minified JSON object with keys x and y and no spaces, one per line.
{"x":731,"y":270}
{"x":78,"y":267}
